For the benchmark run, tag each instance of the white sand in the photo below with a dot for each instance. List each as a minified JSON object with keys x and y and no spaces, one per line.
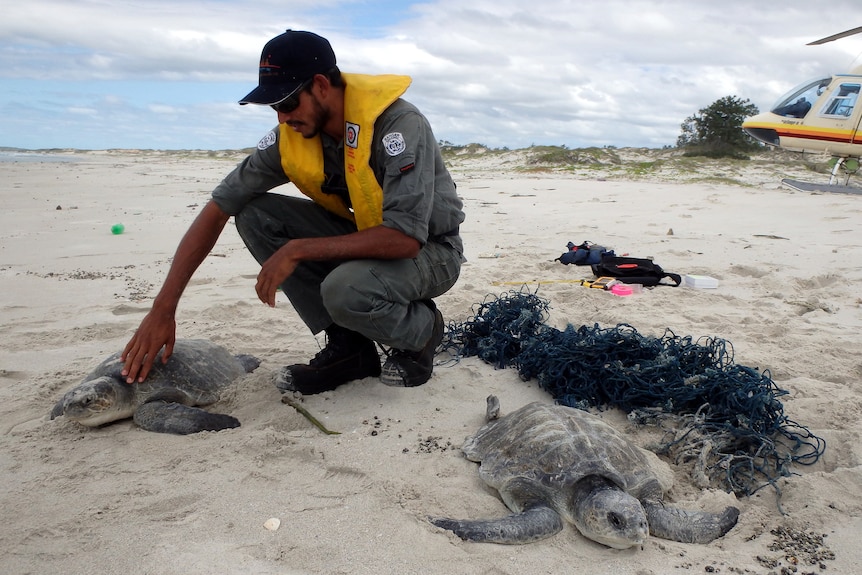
{"x":122,"y":500}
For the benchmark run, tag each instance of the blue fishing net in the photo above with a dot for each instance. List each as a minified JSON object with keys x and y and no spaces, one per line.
{"x":723,"y":419}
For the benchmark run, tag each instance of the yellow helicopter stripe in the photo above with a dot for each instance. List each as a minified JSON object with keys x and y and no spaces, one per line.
{"x":807,"y":132}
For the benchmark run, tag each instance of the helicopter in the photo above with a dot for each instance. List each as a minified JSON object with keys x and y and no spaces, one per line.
{"x":821,"y":115}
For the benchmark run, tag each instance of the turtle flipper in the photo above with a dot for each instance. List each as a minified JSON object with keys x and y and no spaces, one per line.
{"x":57,"y":411}
{"x":492,"y":410}
{"x":168,"y":417}
{"x":531,"y":525}
{"x":249,"y":362}
{"x":688,"y":526}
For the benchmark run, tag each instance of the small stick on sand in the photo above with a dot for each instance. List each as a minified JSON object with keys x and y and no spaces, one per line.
{"x":294,"y":403}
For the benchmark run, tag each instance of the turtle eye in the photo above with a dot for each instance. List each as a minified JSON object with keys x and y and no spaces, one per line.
{"x":616,"y":520}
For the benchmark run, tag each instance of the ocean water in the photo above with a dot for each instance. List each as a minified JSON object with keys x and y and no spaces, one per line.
{"x":35,"y":157}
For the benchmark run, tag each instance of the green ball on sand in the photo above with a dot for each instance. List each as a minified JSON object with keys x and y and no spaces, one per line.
{"x":117,"y":229}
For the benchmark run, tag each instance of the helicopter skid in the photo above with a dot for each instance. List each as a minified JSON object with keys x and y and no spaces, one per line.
{"x":827,"y":188}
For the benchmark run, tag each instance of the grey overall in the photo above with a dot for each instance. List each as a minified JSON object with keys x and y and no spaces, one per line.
{"x":378,"y":298}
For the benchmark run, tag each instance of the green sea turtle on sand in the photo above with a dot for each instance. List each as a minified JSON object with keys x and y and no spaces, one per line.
{"x":552,"y":463}
{"x":166,"y":401}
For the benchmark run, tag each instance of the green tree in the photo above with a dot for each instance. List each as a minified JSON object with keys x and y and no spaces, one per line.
{"x":716,"y":130}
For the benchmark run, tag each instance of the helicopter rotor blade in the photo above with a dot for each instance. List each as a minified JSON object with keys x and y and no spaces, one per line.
{"x":836,"y":36}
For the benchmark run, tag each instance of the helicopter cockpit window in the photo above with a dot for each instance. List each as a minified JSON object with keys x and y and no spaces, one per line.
{"x":796,"y":103}
{"x":843,"y":101}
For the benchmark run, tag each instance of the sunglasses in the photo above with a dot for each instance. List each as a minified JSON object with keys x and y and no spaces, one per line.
{"x":290,"y":103}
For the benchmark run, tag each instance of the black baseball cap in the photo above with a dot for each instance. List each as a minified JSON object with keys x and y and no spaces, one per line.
{"x":287,"y":62}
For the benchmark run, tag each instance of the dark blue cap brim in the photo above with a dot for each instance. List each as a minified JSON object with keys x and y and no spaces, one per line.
{"x":269,"y":95}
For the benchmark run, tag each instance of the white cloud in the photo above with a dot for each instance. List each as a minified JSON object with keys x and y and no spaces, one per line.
{"x":82,"y":111}
{"x":503,"y":72}
{"x":163,"y":110}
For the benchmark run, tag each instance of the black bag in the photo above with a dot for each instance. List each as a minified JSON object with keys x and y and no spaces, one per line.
{"x":634,"y":271}
{"x":584,"y":255}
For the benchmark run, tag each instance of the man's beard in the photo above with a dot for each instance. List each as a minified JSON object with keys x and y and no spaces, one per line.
{"x":321,"y":117}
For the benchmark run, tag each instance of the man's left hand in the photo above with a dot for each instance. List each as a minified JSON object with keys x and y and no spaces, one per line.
{"x":272,"y":274}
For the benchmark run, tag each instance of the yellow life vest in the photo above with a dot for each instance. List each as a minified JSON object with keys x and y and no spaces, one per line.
{"x":365,"y":98}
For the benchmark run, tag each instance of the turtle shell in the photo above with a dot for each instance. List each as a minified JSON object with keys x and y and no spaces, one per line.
{"x":556,"y":446}
{"x":194,"y":375}
{"x":197,"y":371}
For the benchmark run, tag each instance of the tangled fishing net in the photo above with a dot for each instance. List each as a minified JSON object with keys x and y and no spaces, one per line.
{"x":724,"y":420}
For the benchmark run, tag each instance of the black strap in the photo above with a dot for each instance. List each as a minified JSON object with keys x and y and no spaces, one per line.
{"x":675,"y":278}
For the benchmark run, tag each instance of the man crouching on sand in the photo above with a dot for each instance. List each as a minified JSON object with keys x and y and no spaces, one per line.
{"x":364,"y":256}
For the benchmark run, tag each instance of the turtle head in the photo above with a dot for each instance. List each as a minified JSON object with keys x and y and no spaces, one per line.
{"x":608,"y":515}
{"x":96,"y":402}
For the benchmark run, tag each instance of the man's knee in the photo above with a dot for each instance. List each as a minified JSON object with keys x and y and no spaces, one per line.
{"x":243,"y":225}
{"x":248,"y":220}
{"x":346,"y":291}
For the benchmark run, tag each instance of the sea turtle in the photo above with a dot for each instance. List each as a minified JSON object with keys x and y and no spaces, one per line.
{"x":194,"y":375}
{"x":552,"y":463}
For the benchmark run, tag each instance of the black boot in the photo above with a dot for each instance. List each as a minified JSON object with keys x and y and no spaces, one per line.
{"x":347,"y":356}
{"x":404,"y":368}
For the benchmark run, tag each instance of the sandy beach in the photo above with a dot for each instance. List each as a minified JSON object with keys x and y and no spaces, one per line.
{"x":118,"y":499}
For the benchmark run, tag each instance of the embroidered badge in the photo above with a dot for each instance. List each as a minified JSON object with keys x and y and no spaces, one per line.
{"x":351,"y":134}
{"x":266,"y":141}
{"x":394,"y":143}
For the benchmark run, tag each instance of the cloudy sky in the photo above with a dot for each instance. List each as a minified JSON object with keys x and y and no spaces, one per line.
{"x":166,"y":74}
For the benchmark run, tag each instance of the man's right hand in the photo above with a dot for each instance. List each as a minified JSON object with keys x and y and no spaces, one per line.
{"x":156,"y":331}
{"x":159,"y":328}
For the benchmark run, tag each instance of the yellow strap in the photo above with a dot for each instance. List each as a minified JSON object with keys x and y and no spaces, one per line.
{"x":365,"y":98}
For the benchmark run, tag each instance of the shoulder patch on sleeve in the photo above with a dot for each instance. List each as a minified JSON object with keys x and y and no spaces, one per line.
{"x":394,"y":143}
{"x":267,"y":140}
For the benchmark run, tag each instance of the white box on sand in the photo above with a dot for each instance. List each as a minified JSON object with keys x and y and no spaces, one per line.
{"x":702,"y":282}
